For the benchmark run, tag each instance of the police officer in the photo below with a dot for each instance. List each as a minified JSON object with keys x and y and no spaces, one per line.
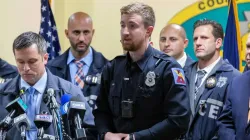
{"x":7,"y":71}
{"x":234,"y":121}
{"x":80,"y":32}
{"x":208,"y":80}
{"x":173,"y":41}
{"x":143,"y":93}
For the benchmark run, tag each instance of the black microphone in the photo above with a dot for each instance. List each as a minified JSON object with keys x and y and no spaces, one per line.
{"x":15,"y":108}
{"x":42,"y":122}
{"x":22,"y":123}
{"x":76,"y":112}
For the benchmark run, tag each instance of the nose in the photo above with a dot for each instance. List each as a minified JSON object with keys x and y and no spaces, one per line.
{"x":26,"y":67}
{"x":124,"y":31}
{"x":82,"y":37}
{"x":167,"y":43}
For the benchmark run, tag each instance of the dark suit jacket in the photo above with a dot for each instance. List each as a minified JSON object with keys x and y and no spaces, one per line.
{"x":233,"y":120}
{"x":10,"y":90}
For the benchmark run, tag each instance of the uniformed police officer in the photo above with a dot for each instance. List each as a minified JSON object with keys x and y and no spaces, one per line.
{"x":208,"y":80}
{"x":7,"y":71}
{"x":143,"y":93}
{"x":81,"y":60}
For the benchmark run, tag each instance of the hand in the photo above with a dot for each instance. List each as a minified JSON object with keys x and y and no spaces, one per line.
{"x":115,"y":136}
{"x":127,"y":138}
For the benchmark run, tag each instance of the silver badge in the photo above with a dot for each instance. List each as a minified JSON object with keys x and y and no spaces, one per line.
{"x":150,"y":81}
{"x":221,"y":82}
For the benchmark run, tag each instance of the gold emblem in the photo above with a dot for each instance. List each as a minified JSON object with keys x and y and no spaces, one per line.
{"x":211,"y":82}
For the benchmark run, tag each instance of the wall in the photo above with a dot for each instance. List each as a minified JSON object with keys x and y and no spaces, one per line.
{"x":24,"y":15}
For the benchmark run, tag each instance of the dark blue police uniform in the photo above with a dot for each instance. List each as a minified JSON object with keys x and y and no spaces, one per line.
{"x":210,"y":101}
{"x":233,"y":122}
{"x":147,"y":98}
{"x":7,"y":71}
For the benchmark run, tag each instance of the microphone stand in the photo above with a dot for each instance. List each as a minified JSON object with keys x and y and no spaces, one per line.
{"x":52,"y":104}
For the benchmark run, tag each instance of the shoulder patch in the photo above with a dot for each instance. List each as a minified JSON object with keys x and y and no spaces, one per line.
{"x":179,"y":77}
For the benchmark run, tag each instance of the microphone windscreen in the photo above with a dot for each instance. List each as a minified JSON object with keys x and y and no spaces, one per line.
{"x":65,"y":98}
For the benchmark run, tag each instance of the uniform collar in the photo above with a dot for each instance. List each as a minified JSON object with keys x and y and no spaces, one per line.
{"x":87,"y":59}
{"x":143,"y":61}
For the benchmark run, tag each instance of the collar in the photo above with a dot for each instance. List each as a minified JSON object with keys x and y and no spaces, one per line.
{"x":40,"y":84}
{"x":209,"y":68}
{"x":87,"y":59}
{"x":182,"y":60}
{"x":143,"y":61}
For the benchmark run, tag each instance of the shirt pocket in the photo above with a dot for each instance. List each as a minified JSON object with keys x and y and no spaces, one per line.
{"x":114,"y":99}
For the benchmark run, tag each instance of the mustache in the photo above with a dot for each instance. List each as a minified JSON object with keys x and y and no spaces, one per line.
{"x":80,"y":43}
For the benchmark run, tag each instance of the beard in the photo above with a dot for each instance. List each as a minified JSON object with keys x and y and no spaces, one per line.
{"x":131,"y":46}
{"x":80,"y":50}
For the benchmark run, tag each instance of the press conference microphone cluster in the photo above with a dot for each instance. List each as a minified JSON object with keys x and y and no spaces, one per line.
{"x":75,"y":109}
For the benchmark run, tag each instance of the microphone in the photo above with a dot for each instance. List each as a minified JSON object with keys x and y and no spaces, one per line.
{"x":15,"y":108}
{"x":65,"y":103}
{"x":50,"y":99}
{"x":42,"y":122}
{"x":76,"y":112}
{"x":22,"y":123}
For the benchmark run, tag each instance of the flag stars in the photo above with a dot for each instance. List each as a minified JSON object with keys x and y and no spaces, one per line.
{"x":43,"y":8}
{"x":41,"y":31}
{"x":42,"y":19}
{"x":54,"y":28}
{"x":49,"y":34}
{"x":49,"y":22}
{"x":53,"y":38}
{"x":48,"y":44}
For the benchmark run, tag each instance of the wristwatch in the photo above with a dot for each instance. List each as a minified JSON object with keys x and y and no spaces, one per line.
{"x":131,"y":136}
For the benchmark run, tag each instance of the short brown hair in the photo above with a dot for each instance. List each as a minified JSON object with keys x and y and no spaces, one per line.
{"x":143,"y":10}
{"x":217,"y":28}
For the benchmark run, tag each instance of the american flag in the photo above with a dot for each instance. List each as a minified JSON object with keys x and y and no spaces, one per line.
{"x":48,"y":30}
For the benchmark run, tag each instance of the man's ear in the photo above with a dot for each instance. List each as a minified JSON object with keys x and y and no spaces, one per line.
{"x":150,"y":30}
{"x":185,"y":43}
{"x":66,"y":33}
{"x":218,"y":43}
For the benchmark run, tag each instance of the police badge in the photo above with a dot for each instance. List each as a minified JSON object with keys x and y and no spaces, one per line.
{"x":2,"y":80}
{"x":211,"y":82}
{"x":221,"y":82}
{"x":150,"y":81}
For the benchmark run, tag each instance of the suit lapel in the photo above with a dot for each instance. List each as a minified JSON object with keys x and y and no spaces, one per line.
{"x":192,"y":87}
